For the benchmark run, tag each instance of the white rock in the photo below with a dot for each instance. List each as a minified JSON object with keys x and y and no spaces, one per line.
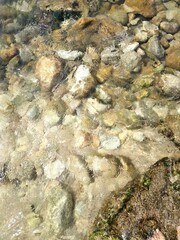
{"x":110,"y":54}
{"x":161,"y":111}
{"x":171,"y":85}
{"x":130,"y":47}
{"x":80,"y":81}
{"x":54,"y":169}
{"x":110,"y":142}
{"x":51,"y":118}
{"x":69,"y":55}
{"x":138,"y":136}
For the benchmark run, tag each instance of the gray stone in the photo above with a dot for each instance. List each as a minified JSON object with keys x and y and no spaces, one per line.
{"x":69,"y":55}
{"x":131,"y":61}
{"x":154,"y":48}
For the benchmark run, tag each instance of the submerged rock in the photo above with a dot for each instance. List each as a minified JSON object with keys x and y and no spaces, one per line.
{"x":47,"y":70}
{"x":144,"y":205}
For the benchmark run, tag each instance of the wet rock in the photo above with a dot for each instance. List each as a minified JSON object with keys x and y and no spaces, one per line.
{"x":91,"y":56}
{"x":20,"y":168}
{"x":58,"y":210}
{"x":147,"y":9}
{"x":102,"y":166}
{"x":154,"y":48}
{"x":173,"y":15}
{"x":173,"y":55}
{"x":54,"y":170}
{"x":104,"y":73}
{"x":80,"y":81}
{"x":109,"y":118}
{"x":169,"y":27}
{"x":69,"y":55}
{"x":7,"y":11}
{"x":110,"y":55}
{"x":129,"y":47}
{"x":92,"y":31}
{"x":53,"y":113}
{"x":164,"y":42}
{"x":27,"y":34}
{"x":102,"y":95}
{"x":94,"y":107}
{"x":118,"y":14}
{"x":26,"y":54}
{"x":174,"y":126}
{"x":109,"y":142}
{"x":6,"y":104}
{"x":124,"y":208}
{"x":131,"y":61}
{"x":33,"y":112}
{"x":47,"y":70}
{"x":8,"y":53}
{"x":170,"y":85}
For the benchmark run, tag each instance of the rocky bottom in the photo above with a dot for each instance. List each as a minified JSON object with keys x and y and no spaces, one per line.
{"x":148,"y":203}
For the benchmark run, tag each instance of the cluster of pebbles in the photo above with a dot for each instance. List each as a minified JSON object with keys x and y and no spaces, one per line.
{"x":89,"y":100}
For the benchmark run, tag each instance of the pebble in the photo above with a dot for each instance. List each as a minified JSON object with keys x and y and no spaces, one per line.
{"x":131,"y":61}
{"x":110,"y":55}
{"x":130,"y":47}
{"x":46,"y":70}
{"x":69,"y":55}
{"x":54,"y":170}
{"x":109,"y":142}
{"x":171,"y":85}
{"x":154,"y":48}
{"x":169,"y":27}
{"x":80,"y":81}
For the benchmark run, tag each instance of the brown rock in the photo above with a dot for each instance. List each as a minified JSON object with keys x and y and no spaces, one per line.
{"x":47,"y":70}
{"x":147,"y":8}
{"x":92,"y":31}
{"x":173,"y":55}
{"x":104,"y":72}
{"x":7,"y":53}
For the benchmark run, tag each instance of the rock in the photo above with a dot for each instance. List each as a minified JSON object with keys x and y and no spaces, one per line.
{"x":80,"y":81}
{"x":54,"y":169}
{"x":110,"y":55}
{"x":102,"y":166}
{"x":19,"y":167}
{"x":150,"y":28}
{"x":69,"y":55}
{"x":7,"y":11}
{"x":93,"y":106}
{"x":173,"y":15}
{"x":170,"y":85}
{"x":26,"y":54}
{"x":33,"y":112}
{"x":118,"y":14}
{"x":91,"y":55}
{"x":6,"y":104}
{"x":131,"y":61}
{"x":53,"y":113}
{"x":102,"y":95}
{"x":138,"y":136}
{"x":104,"y":73}
{"x":92,"y":31}
{"x":129,"y":47}
{"x":8,"y":53}
{"x":109,"y":118}
{"x":154,"y":48}
{"x":58,"y":211}
{"x":140,"y":35}
{"x":173,"y":123}
{"x":145,"y":8}
{"x":109,"y":142}
{"x":72,"y":103}
{"x":47,"y":70}
{"x":173,"y":55}
{"x":164,"y":42}
{"x":25,"y":35}
{"x":169,"y":27}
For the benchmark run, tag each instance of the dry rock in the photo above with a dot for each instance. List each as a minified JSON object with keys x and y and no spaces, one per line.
{"x":47,"y":70}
